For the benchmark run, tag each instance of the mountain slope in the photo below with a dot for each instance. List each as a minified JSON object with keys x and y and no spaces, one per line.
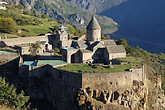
{"x":95,"y":6}
{"x":61,"y":11}
{"x":141,"y":21}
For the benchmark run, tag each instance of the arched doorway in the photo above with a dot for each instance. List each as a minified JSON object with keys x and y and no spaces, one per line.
{"x":73,"y":58}
{"x":58,"y":45}
{"x":46,"y":47}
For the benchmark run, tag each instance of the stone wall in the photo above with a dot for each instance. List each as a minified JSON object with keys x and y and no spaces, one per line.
{"x":8,"y":57}
{"x":61,"y":87}
{"x":111,"y":81}
{"x":25,"y":50}
{"x":86,"y":57}
{"x":57,"y":86}
{"x":93,"y":35}
{"x":10,"y":68}
{"x":116,"y":55}
{"x":24,"y":40}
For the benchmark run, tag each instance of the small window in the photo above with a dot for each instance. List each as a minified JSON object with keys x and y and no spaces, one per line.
{"x":110,"y":83}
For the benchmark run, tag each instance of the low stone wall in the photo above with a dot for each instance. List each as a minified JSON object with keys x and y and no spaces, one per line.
{"x":24,"y":40}
{"x":8,"y":57}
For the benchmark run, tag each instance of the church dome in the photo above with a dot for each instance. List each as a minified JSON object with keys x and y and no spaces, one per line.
{"x":93,"y":24}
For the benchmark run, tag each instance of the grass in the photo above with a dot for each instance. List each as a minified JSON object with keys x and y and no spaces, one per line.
{"x":134,"y":62}
{"x":36,"y":30}
{"x":2,"y":11}
{"x":130,"y":60}
{"x":95,"y":68}
{"x":9,"y":36}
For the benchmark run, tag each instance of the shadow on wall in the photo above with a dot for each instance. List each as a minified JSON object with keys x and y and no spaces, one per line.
{"x":2,"y":44}
{"x":10,"y":71}
{"x":40,"y":57}
{"x":57,"y":86}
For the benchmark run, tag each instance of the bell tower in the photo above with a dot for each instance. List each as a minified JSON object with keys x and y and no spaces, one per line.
{"x":93,"y":30}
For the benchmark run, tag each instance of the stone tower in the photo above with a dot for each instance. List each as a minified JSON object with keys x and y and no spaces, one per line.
{"x":93,"y":30}
{"x":62,"y":33}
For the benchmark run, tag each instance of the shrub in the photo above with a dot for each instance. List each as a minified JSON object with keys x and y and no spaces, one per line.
{"x":8,"y":25}
{"x":9,"y":97}
{"x":43,"y":16}
{"x":20,"y":7}
{"x":71,"y":29}
{"x":34,"y":48}
{"x":56,"y":50}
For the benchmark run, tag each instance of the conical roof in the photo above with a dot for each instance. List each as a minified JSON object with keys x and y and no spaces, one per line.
{"x":93,"y":24}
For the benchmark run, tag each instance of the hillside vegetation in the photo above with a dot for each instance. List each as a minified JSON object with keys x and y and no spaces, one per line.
{"x":61,"y":11}
{"x":16,"y":22}
{"x":156,"y":61}
{"x":9,"y":98}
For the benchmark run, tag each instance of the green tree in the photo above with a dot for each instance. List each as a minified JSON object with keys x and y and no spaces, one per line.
{"x":125,"y":44}
{"x":8,"y":25}
{"x":71,"y":29}
{"x":56,"y":51}
{"x":56,"y":28}
{"x":43,"y":16}
{"x":20,"y":7}
{"x":103,"y":37}
{"x":34,"y":49}
{"x":9,"y":97}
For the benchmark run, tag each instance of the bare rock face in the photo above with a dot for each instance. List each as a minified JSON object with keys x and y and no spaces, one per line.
{"x":95,"y":6}
{"x":135,"y":98}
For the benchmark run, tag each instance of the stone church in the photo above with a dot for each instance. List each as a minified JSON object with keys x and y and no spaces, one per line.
{"x":93,"y":50}
{"x":60,"y":38}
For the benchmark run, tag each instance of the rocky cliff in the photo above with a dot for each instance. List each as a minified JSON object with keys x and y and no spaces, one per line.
{"x":64,"y":90}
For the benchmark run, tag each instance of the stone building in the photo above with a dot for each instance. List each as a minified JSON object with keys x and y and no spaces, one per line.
{"x":2,"y":5}
{"x":61,"y":39}
{"x":93,"y":50}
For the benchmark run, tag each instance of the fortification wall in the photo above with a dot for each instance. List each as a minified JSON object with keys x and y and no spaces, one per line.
{"x":111,"y":81}
{"x":8,"y":57}
{"x":61,"y":87}
{"x":58,"y":86}
{"x":24,"y":40}
{"x":107,"y":81}
{"x":10,"y":67}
